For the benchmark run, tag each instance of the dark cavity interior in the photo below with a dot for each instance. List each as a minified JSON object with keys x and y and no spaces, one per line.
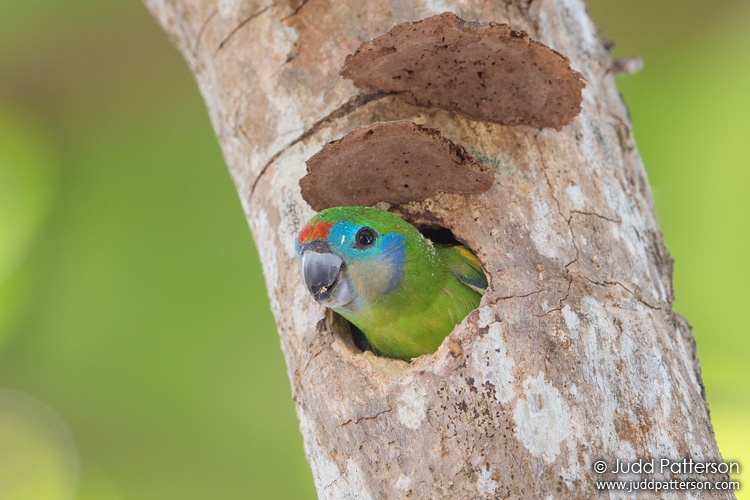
{"x":438,"y":235}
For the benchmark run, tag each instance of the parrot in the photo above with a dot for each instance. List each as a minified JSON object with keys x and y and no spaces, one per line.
{"x":404,"y":292}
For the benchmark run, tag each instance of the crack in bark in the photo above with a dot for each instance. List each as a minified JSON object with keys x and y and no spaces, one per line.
{"x":203,"y":27}
{"x":631,"y":292}
{"x":567,"y":222}
{"x":575,"y":247}
{"x":520,"y":296}
{"x":240,"y":25}
{"x":356,"y":421}
{"x":353,"y":103}
{"x":333,"y":480}
{"x":311,"y":358}
{"x":296,"y":11}
{"x":594,"y":214}
{"x":554,"y":197}
{"x":562,"y":300}
{"x":546,"y":177}
{"x":573,"y":240}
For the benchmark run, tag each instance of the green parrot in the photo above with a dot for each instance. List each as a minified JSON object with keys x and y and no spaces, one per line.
{"x":376,"y":270}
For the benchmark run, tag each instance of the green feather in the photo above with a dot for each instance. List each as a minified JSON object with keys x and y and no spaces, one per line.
{"x":440,"y":285}
{"x":465,"y":266}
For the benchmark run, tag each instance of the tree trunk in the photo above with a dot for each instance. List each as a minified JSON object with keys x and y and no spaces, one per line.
{"x":574,"y":355}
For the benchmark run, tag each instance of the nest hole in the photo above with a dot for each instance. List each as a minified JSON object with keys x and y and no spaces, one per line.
{"x":351,"y":336}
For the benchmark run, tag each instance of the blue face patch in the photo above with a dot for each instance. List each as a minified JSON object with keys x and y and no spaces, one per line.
{"x":384,"y":259}
{"x":342,"y":240}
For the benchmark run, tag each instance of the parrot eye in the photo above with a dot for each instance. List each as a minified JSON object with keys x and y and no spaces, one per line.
{"x":365,"y":238}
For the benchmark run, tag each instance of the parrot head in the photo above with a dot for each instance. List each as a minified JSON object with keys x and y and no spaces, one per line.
{"x":353,"y":257}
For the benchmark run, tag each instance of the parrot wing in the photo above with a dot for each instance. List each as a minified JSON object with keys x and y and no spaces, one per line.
{"x":465,"y":266}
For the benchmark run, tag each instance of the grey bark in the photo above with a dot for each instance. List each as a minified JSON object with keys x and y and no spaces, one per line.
{"x":575,"y":353}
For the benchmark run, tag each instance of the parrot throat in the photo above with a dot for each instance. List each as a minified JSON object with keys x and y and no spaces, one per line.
{"x":376,"y":278}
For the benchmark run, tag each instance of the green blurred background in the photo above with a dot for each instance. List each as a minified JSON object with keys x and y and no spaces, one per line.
{"x":138,"y":356}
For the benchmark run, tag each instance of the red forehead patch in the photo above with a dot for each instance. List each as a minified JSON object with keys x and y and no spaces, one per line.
{"x":314,"y":231}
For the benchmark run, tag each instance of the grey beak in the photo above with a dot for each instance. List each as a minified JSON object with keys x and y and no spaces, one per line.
{"x":324,"y":278}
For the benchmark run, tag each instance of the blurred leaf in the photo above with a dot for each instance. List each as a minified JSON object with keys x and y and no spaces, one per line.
{"x":28,"y":181}
{"x":28,"y":178}
{"x":38,"y":459}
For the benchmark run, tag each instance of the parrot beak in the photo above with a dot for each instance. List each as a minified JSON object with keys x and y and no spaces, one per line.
{"x":325,"y":279}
